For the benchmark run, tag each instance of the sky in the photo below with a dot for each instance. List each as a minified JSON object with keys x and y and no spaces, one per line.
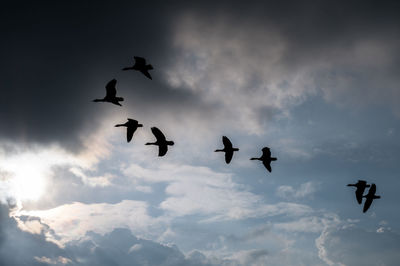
{"x":316,"y":81}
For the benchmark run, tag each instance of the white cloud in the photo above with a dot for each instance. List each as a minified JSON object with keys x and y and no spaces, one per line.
{"x":93,"y":181}
{"x":354,"y":246}
{"x":135,"y":247}
{"x":304,"y":190}
{"x":55,"y":261}
{"x":72,"y":221}
{"x":311,"y":224}
{"x":200,"y":190}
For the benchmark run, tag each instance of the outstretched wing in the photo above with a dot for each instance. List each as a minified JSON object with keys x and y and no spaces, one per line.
{"x":129,"y":132}
{"x":267,"y":165}
{"x":139,"y":61}
{"x":227,"y":143}
{"x":266,"y":152}
{"x":228,"y":156}
{"x":359,"y":195}
{"x":110,"y":88}
{"x":367,"y":203}
{"x":146,"y":73}
{"x":162,"y":150}
{"x":372,"y":190}
{"x":158,"y":134}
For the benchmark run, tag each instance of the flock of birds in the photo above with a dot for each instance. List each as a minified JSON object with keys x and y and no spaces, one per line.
{"x":162,"y":143}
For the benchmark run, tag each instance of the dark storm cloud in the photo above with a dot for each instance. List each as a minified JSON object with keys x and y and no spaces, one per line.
{"x":57,"y":57}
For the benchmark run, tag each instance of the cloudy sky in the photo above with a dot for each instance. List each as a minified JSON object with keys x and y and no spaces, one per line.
{"x":316,"y":81}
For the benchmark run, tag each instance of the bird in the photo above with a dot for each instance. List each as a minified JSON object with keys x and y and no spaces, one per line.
{"x":140,"y":65}
{"x":266,"y":158}
{"x":111,"y":93}
{"x":370,"y":197}
{"x":360,"y":185}
{"x":161,"y":142}
{"x":131,"y":125}
{"x":228,"y":149}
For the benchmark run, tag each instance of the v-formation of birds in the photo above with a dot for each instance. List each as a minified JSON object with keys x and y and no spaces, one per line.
{"x":162,"y":143}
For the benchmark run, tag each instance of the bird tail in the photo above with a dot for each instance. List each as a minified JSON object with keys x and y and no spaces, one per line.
{"x":140,"y":125}
{"x":377,"y":197}
{"x":120,"y":99}
{"x":149,"y":67}
{"x":235,"y":149}
{"x":274,"y":159}
{"x":170,"y":143}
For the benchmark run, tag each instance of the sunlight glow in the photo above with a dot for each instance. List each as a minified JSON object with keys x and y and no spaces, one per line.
{"x":29,"y":182}
{"x":27,"y":173}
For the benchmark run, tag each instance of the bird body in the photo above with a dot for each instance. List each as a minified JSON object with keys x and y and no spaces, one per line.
{"x":360,"y":185}
{"x":266,"y":158}
{"x":111,"y":94}
{"x":140,"y":65}
{"x":228,"y":149}
{"x":370,"y":197}
{"x":131,"y":125}
{"x":161,"y":141}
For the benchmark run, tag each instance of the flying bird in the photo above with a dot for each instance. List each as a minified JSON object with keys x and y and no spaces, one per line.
{"x":370,"y":197}
{"x":140,"y":65}
{"x":360,"y":185}
{"x":228,"y":149}
{"x":161,"y":142}
{"x":111,"y":93}
{"x":131,"y":125}
{"x":266,"y":158}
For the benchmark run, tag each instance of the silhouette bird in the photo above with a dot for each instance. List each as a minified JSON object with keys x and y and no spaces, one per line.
{"x":131,"y":125}
{"x":228,"y":149}
{"x":360,"y":185}
{"x":111,"y":93}
{"x":266,"y":158}
{"x":161,"y":142}
{"x":370,"y":197}
{"x":140,"y":65}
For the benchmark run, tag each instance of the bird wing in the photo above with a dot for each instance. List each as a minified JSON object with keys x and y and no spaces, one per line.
{"x":372,"y":189}
{"x":367,"y":204}
{"x":146,"y":73}
{"x":162,"y":150}
{"x":359,"y":195}
{"x":110,"y":88}
{"x":227,"y":143}
{"x":158,"y":134}
{"x":139,"y":60}
{"x":129,"y":132}
{"x":268,"y":166}
{"x":228,"y":156}
{"x":266,"y":152}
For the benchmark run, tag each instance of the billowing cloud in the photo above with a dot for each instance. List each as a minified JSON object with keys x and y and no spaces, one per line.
{"x":112,"y":248}
{"x":200,"y":190}
{"x":354,"y":246}
{"x":304,"y":190}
